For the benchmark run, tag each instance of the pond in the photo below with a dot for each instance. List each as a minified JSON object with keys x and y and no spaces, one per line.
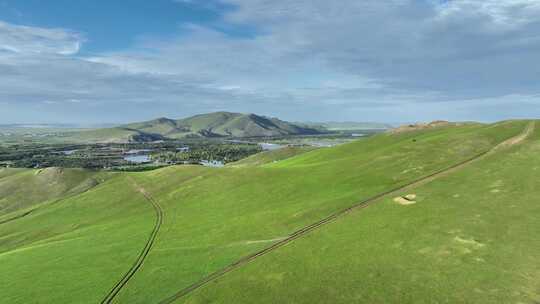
{"x":270,"y":147}
{"x":212,"y":163}
{"x":138,"y":151}
{"x":69,"y":152}
{"x":138,"y":159}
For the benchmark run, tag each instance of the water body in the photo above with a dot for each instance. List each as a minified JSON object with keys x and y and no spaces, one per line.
{"x":138,"y":159}
{"x":138,"y":151}
{"x":69,"y":152}
{"x":270,"y":147}
{"x":212,"y":163}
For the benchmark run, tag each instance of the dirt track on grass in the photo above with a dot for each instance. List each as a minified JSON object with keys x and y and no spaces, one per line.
{"x":146,"y":250}
{"x":16,"y":217}
{"x":358,"y":206}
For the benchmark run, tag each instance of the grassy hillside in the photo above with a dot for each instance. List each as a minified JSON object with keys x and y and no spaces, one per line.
{"x":161,"y":126}
{"x":472,"y":237}
{"x":215,"y":216}
{"x":266,"y":157}
{"x":22,"y":189}
{"x":73,"y":251}
{"x":110,"y":135}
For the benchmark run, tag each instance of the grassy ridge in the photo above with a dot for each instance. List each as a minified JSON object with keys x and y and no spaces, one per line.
{"x":472,"y":237}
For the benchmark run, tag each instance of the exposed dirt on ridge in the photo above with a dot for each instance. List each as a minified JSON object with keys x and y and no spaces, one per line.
{"x":408,"y":199}
{"x":518,"y":139}
{"x":422,"y":126}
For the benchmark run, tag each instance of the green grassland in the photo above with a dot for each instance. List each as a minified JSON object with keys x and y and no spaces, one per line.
{"x":472,"y":237}
{"x":21,"y":189}
{"x":21,"y":135}
{"x":107,"y":135}
{"x":214,"y":216}
{"x":272,"y":156}
{"x":73,"y":251}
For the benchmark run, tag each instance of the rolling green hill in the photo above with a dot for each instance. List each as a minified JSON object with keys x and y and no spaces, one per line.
{"x":471,"y":236}
{"x":22,"y":189}
{"x":297,"y":227}
{"x":272,"y":156}
{"x":111,"y":135}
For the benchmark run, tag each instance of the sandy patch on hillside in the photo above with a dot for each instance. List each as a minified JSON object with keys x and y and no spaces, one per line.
{"x":408,"y":199}
{"x":471,"y":242}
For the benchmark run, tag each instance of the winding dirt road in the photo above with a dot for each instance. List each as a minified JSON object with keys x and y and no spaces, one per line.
{"x":146,"y":250}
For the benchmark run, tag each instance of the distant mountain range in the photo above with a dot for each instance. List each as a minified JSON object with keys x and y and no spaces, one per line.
{"x":218,"y":124}
{"x":211,"y":125}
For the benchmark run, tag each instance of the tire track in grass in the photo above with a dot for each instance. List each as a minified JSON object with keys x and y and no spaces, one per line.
{"x":358,"y":206}
{"x":146,"y":250}
{"x":17,"y":217}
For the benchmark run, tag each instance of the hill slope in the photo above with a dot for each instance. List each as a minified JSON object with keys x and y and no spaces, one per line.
{"x":214,"y":217}
{"x":21,"y":189}
{"x":472,"y":236}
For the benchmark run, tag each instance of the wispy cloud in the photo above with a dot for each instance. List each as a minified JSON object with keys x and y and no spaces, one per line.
{"x":35,"y":40}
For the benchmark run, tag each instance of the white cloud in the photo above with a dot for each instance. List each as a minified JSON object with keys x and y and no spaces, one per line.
{"x":34,"y":40}
{"x":506,"y":14}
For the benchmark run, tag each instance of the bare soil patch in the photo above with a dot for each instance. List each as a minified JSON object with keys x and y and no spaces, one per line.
{"x":421,"y":126}
{"x":408,"y":199}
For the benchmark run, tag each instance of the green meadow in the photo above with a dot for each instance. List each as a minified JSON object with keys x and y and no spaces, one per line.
{"x":471,"y":236}
{"x":22,"y":189}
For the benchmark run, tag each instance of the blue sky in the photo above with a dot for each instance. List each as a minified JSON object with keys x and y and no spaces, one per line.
{"x":396,"y":60}
{"x":116,"y":25}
